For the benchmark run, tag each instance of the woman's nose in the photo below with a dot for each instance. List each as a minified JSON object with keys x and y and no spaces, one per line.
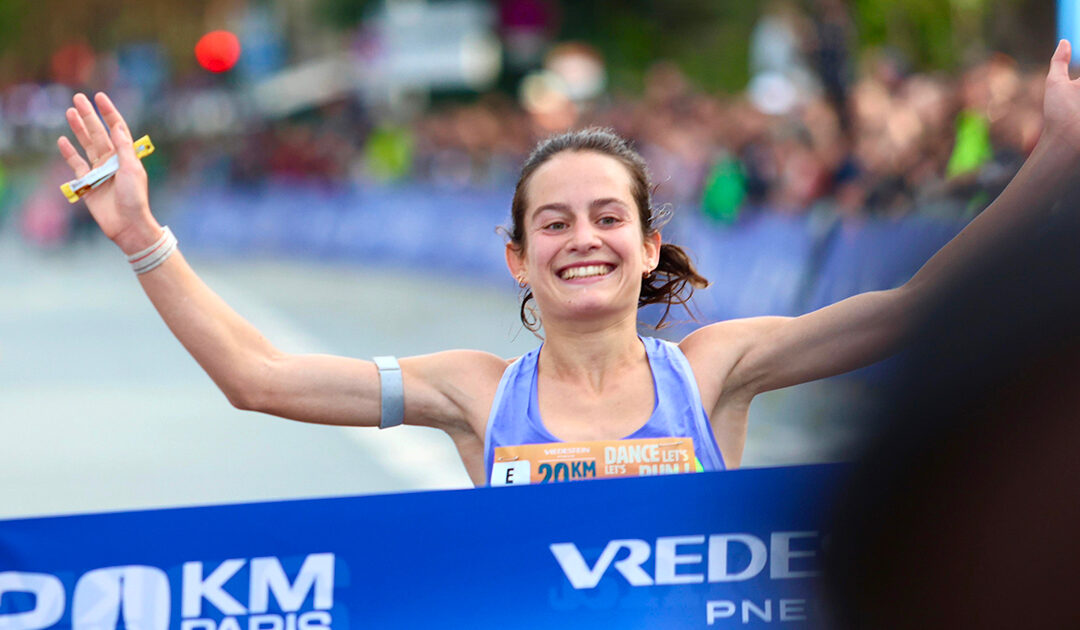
{"x":584,"y":236}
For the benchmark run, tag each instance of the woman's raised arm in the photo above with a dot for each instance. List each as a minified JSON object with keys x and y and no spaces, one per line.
{"x":247,"y":368}
{"x":772,"y":352}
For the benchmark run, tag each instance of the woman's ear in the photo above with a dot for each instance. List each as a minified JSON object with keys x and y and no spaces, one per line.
{"x":652,"y":250}
{"x":515,"y":262}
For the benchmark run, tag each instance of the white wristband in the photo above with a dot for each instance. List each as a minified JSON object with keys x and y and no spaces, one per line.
{"x":392,"y":392}
{"x":149,"y":258}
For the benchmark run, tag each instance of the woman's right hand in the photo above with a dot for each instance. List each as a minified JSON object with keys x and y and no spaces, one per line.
{"x":121,"y":205}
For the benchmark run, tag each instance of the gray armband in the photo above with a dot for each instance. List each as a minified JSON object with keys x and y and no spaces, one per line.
{"x":393,"y":392}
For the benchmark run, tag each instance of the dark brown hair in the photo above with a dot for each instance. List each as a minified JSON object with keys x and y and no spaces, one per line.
{"x":674,"y":279}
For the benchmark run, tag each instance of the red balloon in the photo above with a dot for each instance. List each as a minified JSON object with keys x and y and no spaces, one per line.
{"x":217,"y":51}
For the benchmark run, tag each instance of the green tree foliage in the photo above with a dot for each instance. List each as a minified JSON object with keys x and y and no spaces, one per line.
{"x":32,"y":30}
{"x":709,"y":39}
{"x":342,"y":13}
{"x":947,"y":34}
{"x":931,"y":33}
{"x":12,"y":19}
{"x":706,"y":38}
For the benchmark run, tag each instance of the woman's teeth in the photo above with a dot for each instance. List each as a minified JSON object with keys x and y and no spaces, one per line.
{"x":585,"y":271}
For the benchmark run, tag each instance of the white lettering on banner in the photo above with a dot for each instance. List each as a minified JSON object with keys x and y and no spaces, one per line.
{"x":790,"y":610}
{"x":714,"y":610}
{"x":315,"y":620}
{"x":316,"y":576}
{"x":317,"y":573}
{"x":48,"y":594}
{"x":782,"y":555}
{"x":270,"y":622}
{"x":311,"y":620}
{"x":138,"y":594}
{"x":581,"y":575}
{"x":265,"y":622}
{"x":196,"y":588}
{"x":765,"y":614}
{"x":718,"y":556}
{"x":668,"y":559}
{"x":138,"y":597}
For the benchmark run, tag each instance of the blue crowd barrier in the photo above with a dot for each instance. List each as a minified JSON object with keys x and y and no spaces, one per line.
{"x":730,"y":549}
{"x":406,"y":226}
{"x":873,"y":255}
{"x":766,"y":264}
{"x":755,"y":267}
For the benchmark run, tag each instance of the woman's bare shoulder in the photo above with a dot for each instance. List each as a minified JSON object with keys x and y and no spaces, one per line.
{"x":473,"y":365}
{"x":715,"y":351}
{"x":453,"y":389}
{"x":721,"y":337}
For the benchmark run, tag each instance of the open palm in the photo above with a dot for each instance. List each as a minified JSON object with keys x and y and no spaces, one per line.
{"x":121,"y":203}
{"x":1061,"y":103}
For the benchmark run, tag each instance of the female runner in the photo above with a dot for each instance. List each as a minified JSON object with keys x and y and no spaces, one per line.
{"x":595,"y":399}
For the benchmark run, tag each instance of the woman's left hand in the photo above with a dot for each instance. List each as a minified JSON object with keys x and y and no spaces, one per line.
{"x":1061,"y":101}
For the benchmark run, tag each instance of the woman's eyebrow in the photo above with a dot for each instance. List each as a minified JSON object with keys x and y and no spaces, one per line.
{"x":557,"y":207}
{"x":544,"y":212}
{"x":565,"y":207}
{"x":600,"y":203}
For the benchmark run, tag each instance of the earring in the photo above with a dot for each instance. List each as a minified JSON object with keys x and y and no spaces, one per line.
{"x":521,"y":282}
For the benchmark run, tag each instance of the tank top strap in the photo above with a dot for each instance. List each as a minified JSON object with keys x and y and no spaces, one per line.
{"x":509,"y":421}
{"x":680,"y":410}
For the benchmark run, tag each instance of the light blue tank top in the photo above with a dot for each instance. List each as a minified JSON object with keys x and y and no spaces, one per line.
{"x":677,"y":411}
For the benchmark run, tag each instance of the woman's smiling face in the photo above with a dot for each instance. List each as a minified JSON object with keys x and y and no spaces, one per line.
{"x":583,"y":251}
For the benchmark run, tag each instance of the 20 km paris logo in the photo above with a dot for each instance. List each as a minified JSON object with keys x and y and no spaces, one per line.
{"x":138,"y":597}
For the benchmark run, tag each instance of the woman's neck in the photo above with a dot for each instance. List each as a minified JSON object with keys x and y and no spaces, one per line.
{"x":587,"y":354}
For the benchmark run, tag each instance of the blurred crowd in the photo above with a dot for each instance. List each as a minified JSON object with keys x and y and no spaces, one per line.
{"x":897,"y":143}
{"x":811,"y":132}
{"x":814,"y":130}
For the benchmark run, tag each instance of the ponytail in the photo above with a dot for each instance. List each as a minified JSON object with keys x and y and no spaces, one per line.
{"x":672,"y":282}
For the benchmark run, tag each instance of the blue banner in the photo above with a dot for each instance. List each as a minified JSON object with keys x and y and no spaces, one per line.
{"x":734,"y":549}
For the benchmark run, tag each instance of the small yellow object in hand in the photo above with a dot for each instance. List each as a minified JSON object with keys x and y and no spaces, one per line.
{"x":76,"y":188}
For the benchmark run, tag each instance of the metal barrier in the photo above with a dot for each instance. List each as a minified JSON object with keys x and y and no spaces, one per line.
{"x":767,"y":264}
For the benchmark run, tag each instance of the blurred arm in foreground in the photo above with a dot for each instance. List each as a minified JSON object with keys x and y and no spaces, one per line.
{"x":963,"y":509}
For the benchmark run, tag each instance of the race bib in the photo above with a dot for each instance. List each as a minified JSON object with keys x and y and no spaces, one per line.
{"x":570,"y":461}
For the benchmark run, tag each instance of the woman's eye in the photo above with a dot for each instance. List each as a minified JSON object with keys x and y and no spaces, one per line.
{"x":557,"y":225}
{"x":609,"y":220}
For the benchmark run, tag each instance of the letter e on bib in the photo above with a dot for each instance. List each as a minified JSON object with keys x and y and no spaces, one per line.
{"x":511,"y":473}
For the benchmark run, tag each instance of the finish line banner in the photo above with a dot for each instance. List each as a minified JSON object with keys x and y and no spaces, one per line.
{"x":738,"y":549}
